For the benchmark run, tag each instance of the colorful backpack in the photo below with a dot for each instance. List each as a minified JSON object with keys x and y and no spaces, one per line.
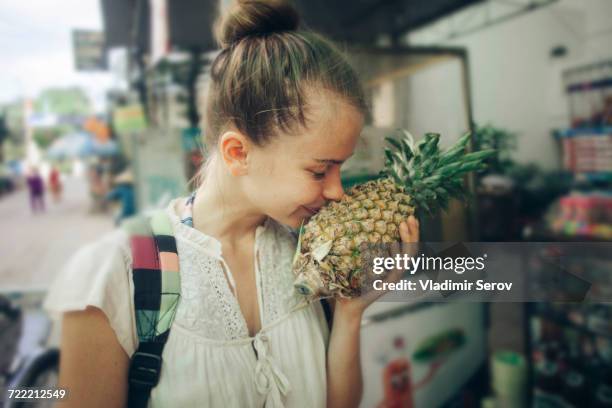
{"x":157,"y":287}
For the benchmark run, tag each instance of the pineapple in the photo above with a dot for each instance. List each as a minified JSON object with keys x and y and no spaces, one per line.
{"x":330,"y":257}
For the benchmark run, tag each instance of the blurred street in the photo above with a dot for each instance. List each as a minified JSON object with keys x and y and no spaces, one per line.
{"x":34,"y":247}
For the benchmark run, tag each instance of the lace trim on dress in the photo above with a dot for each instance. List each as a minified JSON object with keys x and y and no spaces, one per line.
{"x":208,"y":306}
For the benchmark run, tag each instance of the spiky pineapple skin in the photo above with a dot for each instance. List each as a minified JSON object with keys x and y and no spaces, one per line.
{"x":368,"y":213}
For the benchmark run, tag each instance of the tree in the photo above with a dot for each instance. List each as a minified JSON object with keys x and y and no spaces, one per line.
{"x":4,"y":133}
{"x":70,"y":104}
{"x":13,"y":116}
{"x":63,"y":102}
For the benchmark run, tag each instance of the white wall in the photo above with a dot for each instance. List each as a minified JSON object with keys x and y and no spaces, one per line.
{"x":430,"y":99}
{"x":515,"y":82}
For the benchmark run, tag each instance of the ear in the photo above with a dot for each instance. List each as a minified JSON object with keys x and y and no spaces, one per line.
{"x":234,"y":148}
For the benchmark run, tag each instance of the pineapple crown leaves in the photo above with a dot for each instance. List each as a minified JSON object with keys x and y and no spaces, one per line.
{"x":298,"y":249}
{"x":429,"y":176}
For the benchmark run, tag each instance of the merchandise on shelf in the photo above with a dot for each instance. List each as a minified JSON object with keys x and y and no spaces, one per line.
{"x":590,"y":95}
{"x":587,"y":150}
{"x":572,"y":358}
{"x":583,"y":214}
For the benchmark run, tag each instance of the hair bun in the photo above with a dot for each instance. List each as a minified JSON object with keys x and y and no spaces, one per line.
{"x":255,"y":17}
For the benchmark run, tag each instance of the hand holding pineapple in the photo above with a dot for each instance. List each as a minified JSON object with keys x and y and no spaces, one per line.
{"x":409,"y":234}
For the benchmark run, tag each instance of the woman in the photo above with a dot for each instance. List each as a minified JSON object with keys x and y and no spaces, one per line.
{"x":284,"y":111}
{"x":55,"y":184}
{"x":36,"y":187}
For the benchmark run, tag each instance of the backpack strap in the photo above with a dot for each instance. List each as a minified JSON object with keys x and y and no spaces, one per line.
{"x":155,"y":273}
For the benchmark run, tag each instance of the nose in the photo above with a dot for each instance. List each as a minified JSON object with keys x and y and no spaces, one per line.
{"x":332,"y":190}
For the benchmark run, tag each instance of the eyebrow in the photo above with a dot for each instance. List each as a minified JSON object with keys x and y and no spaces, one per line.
{"x":332,"y":161}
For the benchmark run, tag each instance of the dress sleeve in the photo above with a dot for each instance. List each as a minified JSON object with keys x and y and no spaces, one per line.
{"x":99,"y":274}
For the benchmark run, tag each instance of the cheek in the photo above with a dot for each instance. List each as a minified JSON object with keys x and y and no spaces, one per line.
{"x":312,"y":191}
{"x":282,"y":185}
{"x":302,"y":190}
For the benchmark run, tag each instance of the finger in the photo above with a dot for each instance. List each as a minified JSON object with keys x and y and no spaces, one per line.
{"x":411,"y":237}
{"x":409,"y":231}
{"x":414,"y":228}
{"x":404,"y":232}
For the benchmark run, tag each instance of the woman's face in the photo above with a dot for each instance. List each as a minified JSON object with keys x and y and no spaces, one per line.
{"x":294,"y":175}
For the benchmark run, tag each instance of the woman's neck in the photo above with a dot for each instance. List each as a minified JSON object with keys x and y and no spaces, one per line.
{"x":221,"y":210}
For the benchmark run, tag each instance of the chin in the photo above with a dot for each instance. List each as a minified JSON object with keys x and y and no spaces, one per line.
{"x":293,"y":220}
{"x":296,"y":221}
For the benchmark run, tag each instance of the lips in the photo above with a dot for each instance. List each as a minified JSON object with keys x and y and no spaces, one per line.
{"x":311,"y":211}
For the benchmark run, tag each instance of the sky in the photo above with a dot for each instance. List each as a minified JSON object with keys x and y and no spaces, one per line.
{"x":36,"y":47}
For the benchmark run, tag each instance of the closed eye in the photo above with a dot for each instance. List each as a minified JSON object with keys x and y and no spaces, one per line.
{"x":317,"y":175}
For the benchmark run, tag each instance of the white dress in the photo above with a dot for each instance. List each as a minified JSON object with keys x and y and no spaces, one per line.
{"x":209,"y":359}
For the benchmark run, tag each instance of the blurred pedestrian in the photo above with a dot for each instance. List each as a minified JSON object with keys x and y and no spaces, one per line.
{"x":123,"y":192}
{"x":97,"y":188}
{"x":36,"y":188}
{"x":55,"y":184}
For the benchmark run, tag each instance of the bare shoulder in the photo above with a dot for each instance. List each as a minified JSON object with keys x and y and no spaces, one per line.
{"x":93,"y":365}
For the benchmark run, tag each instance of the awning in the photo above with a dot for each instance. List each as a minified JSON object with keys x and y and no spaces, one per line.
{"x":363,"y":21}
{"x":121,"y":17}
{"x":190,"y":21}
